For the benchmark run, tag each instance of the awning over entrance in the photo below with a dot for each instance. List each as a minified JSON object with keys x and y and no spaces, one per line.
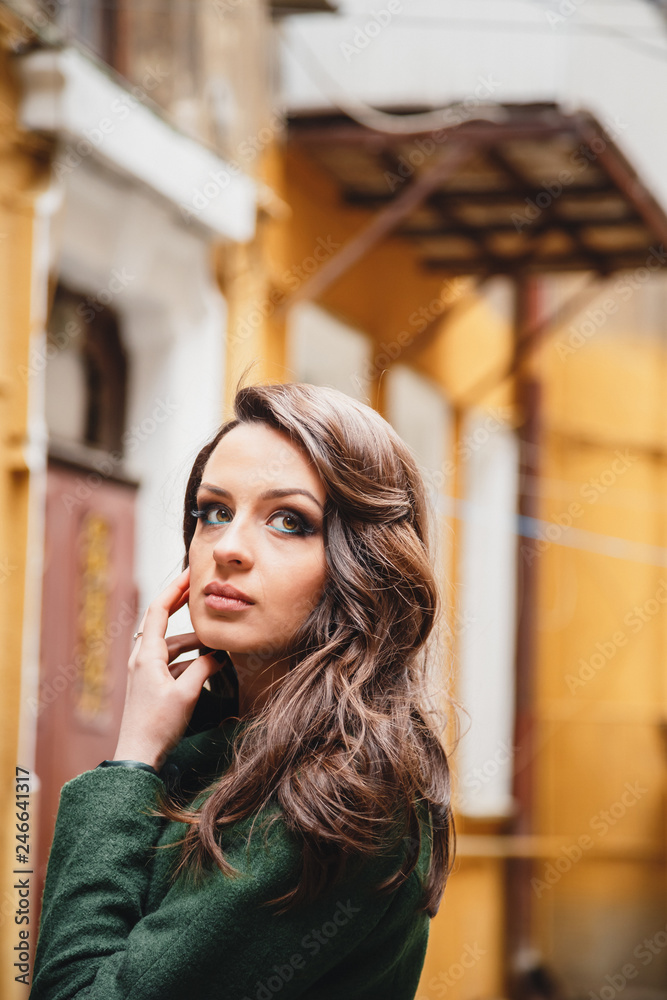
{"x":534,"y":190}
{"x":282,"y":8}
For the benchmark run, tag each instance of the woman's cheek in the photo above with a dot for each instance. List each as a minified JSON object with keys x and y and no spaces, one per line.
{"x":302,"y":604}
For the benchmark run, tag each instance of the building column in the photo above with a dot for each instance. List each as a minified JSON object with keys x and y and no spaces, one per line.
{"x":519,"y":915}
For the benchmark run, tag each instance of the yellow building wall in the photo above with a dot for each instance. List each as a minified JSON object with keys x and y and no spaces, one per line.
{"x":22,"y":176}
{"x":602,"y":678}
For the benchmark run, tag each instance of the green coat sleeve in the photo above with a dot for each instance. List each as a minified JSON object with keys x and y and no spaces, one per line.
{"x":214,"y":941}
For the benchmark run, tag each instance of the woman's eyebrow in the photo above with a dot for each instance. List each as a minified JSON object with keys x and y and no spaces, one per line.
{"x":267,"y":495}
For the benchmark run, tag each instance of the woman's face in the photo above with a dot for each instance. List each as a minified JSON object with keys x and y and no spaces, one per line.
{"x":270,"y":548}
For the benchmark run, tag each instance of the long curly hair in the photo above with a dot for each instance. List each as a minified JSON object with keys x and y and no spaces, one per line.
{"x":352,"y":737}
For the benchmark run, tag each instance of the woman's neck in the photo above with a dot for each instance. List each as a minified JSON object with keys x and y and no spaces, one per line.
{"x":257,"y":682}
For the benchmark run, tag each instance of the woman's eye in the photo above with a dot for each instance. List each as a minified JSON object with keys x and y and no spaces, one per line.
{"x":293,"y":525}
{"x":210,"y":515}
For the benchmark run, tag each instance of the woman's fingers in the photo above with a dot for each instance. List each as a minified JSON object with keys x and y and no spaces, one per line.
{"x":177,"y":644}
{"x":170,"y":600}
{"x":161,"y":690}
{"x":191,"y":679}
{"x":155,"y":619}
{"x":182,"y":643}
{"x":182,"y":600}
{"x":177,"y":668}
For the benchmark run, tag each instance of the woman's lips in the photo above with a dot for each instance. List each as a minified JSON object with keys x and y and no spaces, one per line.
{"x":217,"y":603}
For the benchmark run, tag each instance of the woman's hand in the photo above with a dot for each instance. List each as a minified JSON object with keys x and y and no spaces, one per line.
{"x":161,"y":695}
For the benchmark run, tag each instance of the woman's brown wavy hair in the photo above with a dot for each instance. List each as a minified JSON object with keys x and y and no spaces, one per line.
{"x":345,"y":742}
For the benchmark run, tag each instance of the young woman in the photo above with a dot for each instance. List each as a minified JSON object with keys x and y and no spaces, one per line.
{"x":285,"y":829}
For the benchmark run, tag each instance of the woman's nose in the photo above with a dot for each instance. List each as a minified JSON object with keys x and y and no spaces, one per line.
{"x":234,"y":543}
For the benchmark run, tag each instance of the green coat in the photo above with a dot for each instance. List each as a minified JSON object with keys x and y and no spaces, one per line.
{"x":112,"y":927}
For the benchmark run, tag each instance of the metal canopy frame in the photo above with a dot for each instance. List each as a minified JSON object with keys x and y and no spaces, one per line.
{"x":540,"y":191}
{"x":283,"y":8}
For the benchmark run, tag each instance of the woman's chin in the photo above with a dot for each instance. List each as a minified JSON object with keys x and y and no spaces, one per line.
{"x":215,"y":639}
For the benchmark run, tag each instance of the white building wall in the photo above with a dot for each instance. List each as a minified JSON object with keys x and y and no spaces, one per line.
{"x":418,"y":410}
{"x":324,"y":350}
{"x":607,"y":58}
{"x":488,"y":602}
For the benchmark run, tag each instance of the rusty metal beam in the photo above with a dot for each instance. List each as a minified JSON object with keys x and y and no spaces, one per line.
{"x":552,"y":213}
{"x":539,"y":226}
{"x":519,"y":922}
{"x":383,"y":224}
{"x":510,"y":195}
{"x":479,"y":236}
{"x":316,"y":132}
{"x":623,"y":175}
{"x":545,"y":264}
{"x":531,"y":338}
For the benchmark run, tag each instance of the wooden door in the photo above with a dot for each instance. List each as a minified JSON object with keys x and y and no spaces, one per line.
{"x":89,"y":613}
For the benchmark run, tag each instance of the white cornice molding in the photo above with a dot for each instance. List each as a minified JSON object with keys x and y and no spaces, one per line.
{"x":69,"y":96}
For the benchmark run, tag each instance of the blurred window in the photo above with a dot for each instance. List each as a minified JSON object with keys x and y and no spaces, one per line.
{"x":156,"y":45}
{"x":95,"y":24}
{"x":86,"y":372}
{"x":187,"y":58}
